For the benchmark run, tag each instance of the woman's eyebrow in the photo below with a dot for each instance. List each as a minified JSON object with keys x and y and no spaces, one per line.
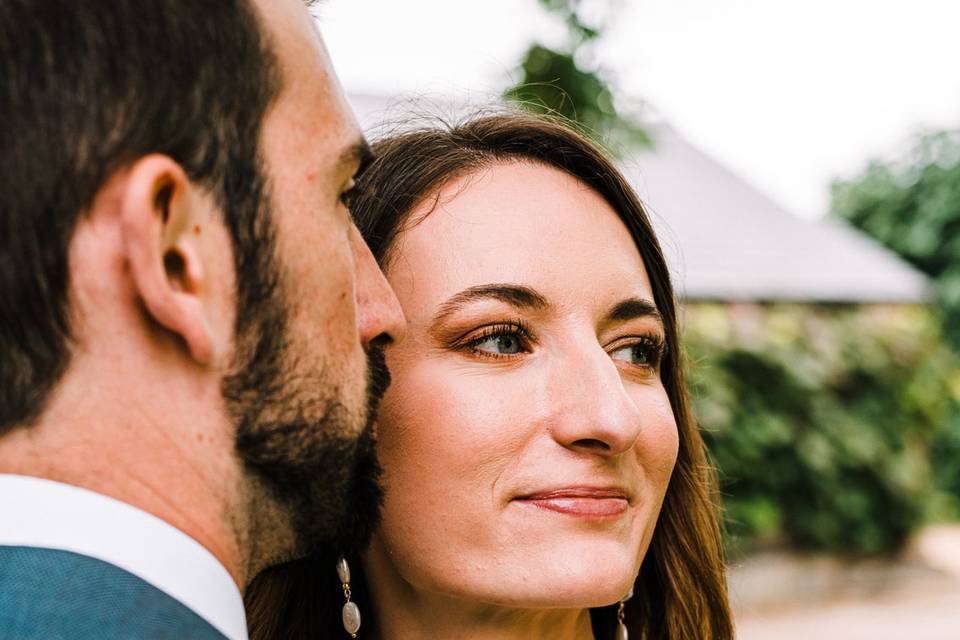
{"x":513,"y":294}
{"x":633,"y":308}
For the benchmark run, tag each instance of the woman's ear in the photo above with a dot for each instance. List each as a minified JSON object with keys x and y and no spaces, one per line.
{"x":160,"y":208}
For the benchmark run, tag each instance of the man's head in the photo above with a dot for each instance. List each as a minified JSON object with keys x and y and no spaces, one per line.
{"x":172,"y":221}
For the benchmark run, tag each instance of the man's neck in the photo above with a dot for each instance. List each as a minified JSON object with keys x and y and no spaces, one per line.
{"x":143,"y":467}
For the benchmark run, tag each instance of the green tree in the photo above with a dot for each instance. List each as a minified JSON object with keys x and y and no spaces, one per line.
{"x":912,"y":206}
{"x":562,"y":81}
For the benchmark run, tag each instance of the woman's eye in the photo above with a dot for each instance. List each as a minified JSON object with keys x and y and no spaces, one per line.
{"x":500,"y":343}
{"x":640,"y":354}
{"x":504,"y":340}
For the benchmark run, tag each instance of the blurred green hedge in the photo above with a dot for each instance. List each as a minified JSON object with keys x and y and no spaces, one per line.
{"x":821,"y":420}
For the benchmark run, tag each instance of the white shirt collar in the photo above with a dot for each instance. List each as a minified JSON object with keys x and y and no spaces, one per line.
{"x":43,"y":513}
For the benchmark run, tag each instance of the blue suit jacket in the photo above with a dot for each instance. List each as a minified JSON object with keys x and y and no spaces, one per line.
{"x":47,"y":594}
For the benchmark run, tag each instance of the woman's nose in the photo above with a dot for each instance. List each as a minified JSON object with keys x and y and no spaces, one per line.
{"x":594,"y":411}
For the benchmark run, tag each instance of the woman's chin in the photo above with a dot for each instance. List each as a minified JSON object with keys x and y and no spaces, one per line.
{"x":573,"y":597}
{"x":571,"y":579}
{"x":577,"y":568}
{"x":566,"y":592}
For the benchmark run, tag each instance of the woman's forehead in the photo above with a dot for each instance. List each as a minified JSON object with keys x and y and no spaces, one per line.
{"x":517,"y":222}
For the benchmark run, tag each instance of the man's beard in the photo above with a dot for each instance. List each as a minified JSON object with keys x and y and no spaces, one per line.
{"x":295,"y":434}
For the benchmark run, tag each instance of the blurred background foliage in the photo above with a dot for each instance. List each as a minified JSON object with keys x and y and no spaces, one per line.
{"x":567,"y":81}
{"x":821,"y":420}
{"x":911,"y":205}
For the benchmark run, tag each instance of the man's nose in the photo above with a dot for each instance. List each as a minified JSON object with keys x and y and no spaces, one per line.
{"x":379,"y":316}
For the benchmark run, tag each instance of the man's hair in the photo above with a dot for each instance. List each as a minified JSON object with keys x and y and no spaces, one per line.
{"x":86,"y":88}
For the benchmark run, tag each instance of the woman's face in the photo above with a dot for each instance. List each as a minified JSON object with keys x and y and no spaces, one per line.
{"x":527,"y":440}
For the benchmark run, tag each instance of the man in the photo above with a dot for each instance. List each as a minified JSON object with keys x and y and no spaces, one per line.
{"x":190,"y":323}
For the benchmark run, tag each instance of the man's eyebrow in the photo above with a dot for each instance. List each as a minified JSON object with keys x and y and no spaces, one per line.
{"x":359,"y":155}
{"x":633,"y":308}
{"x":513,"y":294}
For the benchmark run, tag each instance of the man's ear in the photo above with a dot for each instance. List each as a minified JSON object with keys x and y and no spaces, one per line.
{"x":160,"y":209}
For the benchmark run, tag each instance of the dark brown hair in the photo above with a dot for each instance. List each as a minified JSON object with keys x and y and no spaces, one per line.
{"x":680,"y":593}
{"x":87,"y":88}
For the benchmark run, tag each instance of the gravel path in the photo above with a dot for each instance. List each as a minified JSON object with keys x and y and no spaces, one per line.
{"x":920,"y":617}
{"x":912,"y":608}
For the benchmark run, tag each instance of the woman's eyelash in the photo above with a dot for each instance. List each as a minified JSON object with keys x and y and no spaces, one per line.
{"x":657,"y":346}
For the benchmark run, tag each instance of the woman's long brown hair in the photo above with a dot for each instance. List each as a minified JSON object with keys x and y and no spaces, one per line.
{"x":680,"y":593}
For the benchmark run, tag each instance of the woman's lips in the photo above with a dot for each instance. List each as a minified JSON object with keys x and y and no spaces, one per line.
{"x":580,"y":502}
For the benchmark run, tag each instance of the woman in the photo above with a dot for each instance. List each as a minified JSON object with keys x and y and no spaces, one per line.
{"x":540,"y":460}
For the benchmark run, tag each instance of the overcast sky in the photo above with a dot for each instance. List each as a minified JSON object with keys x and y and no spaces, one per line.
{"x":787,"y":94}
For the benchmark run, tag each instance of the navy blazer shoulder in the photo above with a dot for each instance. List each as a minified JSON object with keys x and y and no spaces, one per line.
{"x":51,"y":594}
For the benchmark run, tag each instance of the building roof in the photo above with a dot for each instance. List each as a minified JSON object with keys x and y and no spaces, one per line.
{"x":727,"y":241}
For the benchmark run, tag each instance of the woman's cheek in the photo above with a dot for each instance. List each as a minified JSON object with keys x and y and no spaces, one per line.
{"x":659,"y":440}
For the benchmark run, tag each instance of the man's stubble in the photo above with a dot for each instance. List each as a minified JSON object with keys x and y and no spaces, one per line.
{"x":315,"y":456}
